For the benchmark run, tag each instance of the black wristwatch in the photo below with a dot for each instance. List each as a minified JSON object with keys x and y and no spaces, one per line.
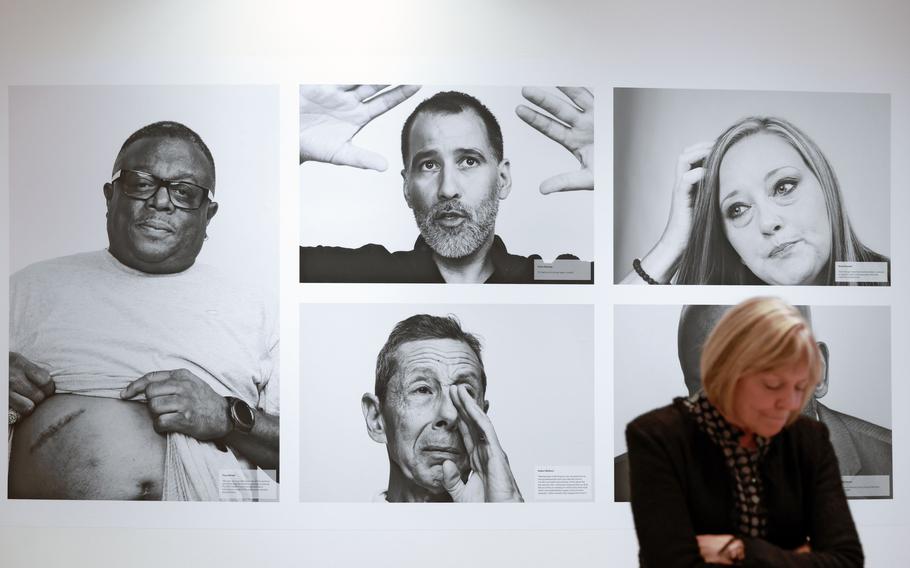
{"x":240,"y":414}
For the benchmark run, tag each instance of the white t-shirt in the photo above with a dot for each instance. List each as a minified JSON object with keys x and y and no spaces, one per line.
{"x":97,"y":325}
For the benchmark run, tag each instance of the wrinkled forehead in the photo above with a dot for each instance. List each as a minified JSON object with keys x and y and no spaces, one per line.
{"x":447,"y":358}
{"x":169,"y":158}
{"x":444,"y":130}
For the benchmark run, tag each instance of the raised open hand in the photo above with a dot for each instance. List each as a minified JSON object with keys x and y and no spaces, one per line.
{"x":573,"y":128}
{"x":492,"y":479}
{"x":330,"y":116}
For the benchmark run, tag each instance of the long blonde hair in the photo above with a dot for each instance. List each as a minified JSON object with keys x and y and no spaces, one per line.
{"x":709,"y":257}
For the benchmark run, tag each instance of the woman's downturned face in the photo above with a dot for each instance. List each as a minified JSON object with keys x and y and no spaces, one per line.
{"x":764,"y":401}
{"x":774,"y":211}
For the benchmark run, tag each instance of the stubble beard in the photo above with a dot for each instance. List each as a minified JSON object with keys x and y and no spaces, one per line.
{"x":465,"y":239}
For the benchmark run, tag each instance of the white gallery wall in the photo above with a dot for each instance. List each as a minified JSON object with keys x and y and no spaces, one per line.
{"x":813,"y":46}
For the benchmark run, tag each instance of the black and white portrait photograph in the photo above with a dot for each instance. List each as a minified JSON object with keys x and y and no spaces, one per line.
{"x":751,"y":187}
{"x":143,"y":343}
{"x":446,"y":184}
{"x":852,"y":397}
{"x":404,"y":403}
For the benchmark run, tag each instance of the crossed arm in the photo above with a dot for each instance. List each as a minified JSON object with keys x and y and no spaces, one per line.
{"x":666,"y":535}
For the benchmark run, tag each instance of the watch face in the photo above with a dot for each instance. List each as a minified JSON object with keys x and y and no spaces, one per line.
{"x":242,"y":415}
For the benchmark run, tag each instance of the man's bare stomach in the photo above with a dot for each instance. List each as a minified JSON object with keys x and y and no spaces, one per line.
{"x":79,"y":447}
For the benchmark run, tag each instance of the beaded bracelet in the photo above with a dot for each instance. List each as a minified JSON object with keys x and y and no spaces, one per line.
{"x":636,"y":264}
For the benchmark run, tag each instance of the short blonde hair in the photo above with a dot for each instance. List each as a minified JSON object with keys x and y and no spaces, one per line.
{"x":758,"y":335}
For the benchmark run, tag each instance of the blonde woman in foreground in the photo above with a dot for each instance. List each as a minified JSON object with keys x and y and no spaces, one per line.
{"x":734,"y":475}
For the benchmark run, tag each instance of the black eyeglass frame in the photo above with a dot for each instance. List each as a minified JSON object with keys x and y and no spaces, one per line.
{"x":159,"y":183}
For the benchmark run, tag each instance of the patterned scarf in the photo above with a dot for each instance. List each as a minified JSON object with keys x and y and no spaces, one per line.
{"x":743,"y":463}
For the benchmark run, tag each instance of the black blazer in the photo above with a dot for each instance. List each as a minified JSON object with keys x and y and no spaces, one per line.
{"x":681,"y":487}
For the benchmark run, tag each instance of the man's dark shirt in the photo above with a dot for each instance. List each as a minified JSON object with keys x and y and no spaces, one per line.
{"x":374,"y":263}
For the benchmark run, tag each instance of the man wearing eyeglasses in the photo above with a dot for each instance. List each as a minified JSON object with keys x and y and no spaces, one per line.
{"x":134,"y":372}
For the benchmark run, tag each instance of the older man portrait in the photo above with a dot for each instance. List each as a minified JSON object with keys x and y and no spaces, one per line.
{"x":134,"y":371}
{"x":428,"y":408}
{"x":455,"y":177}
{"x":449,"y":392}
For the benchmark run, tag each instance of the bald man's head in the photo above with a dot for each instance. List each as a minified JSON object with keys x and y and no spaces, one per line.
{"x":695,"y":325}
